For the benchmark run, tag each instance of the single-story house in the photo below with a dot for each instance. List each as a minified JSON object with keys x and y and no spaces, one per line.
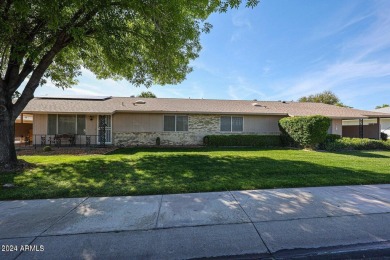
{"x":140,"y":121}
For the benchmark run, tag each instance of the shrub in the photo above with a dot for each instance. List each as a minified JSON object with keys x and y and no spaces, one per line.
{"x":47,"y":149}
{"x":357,"y":144}
{"x":206,"y":140}
{"x":306,"y":131}
{"x":330,"y":138}
{"x":384,"y":136}
{"x":242,"y":140}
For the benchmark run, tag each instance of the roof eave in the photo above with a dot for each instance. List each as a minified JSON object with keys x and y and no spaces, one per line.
{"x":197,"y":112}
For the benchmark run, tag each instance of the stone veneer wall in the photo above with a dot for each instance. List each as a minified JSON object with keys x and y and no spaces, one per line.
{"x":198,"y":127}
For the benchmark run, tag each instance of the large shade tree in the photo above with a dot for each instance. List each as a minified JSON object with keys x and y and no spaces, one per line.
{"x":326,"y":97}
{"x":147,"y":94}
{"x":143,"y":41}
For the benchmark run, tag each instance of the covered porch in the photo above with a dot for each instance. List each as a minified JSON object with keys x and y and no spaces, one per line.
{"x":24,"y":129}
{"x":362,"y":128}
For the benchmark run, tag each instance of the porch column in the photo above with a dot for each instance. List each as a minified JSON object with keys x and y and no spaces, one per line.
{"x":361,"y":128}
{"x":378,"y":123}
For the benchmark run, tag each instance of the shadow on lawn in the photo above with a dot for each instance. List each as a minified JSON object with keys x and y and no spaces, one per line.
{"x":134,"y":150}
{"x":153,"y":174}
{"x":365,"y":154}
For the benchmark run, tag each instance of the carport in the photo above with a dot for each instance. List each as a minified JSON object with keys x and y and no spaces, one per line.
{"x":24,"y":129}
{"x":362,"y":128}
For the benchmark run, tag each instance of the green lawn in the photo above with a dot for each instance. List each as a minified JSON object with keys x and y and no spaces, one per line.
{"x":161,"y":171}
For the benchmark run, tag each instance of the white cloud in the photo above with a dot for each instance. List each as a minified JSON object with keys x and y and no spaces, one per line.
{"x":242,"y":89}
{"x":241,"y":20}
{"x":241,"y":24}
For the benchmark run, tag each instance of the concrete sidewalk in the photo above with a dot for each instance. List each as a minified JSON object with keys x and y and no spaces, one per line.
{"x":337,"y":222}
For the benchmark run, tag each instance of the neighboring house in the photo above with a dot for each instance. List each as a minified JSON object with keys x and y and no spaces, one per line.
{"x":139,"y":121}
{"x":385,"y":123}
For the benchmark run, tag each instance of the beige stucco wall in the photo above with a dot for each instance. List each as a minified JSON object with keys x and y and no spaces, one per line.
{"x":39,"y":127}
{"x":336,"y":127}
{"x":91,"y":125}
{"x":123,"y":123}
{"x":262,"y":124}
{"x":40,"y":124}
{"x":127,"y":129}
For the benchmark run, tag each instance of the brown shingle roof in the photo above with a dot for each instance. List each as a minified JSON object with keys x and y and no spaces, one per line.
{"x":383,"y":110}
{"x":191,"y":106}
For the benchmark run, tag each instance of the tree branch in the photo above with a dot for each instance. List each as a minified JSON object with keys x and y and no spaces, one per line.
{"x":26,"y":70}
{"x":28,"y":93}
{"x":3,"y":60}
{"x":12,"y":67}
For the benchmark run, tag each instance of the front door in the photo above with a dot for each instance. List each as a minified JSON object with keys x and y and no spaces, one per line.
{"x":104,"y":129}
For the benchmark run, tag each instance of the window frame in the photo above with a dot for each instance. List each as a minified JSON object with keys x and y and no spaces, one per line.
{"x":175,"y":130}
{"x":76,"y":123}
{"x":231,"y":124}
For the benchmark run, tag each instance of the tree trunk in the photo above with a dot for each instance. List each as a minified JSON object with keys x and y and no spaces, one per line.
{"x":8,"y":157}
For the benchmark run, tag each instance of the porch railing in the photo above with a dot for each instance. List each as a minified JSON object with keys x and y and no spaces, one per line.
{"x":67,"y":140}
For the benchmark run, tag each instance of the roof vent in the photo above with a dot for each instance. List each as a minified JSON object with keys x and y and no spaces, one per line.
{"x":140,"y":102}
{"x":256,"y":105}
{"x":132,"y":96}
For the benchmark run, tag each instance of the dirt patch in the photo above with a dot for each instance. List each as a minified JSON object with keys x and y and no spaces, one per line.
{"x":20,"y":166}
{"x":66,"y":150}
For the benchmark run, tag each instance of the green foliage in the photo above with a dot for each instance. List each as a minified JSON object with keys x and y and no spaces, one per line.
{"x":326,"y":97}
{"x":357,"y":144}
{"x":242,"y":140}
{"x":382,"y":106}
{"x":306,"y":131}
{"x":47,"y":149}
{"x":330,"y":138}
{"x":384,"y":136}
{"x":140,"y":41}
{"x":147,"y":94}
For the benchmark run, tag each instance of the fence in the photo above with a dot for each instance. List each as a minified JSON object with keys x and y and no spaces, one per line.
{"x":68,"y":140}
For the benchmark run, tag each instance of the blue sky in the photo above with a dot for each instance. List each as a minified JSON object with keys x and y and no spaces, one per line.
{"x":281,"y":50}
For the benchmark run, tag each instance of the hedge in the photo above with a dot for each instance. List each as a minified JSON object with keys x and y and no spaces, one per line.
{"x":330,"y":138}
{"x":242,"y":140}
{"x":357,"y":144}
{"x":306,"y":131}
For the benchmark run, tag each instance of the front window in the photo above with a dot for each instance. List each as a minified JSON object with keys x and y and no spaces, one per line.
{"x":66,"y":124}
{"x":232,"y":123}
{"x":176,"y":123}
